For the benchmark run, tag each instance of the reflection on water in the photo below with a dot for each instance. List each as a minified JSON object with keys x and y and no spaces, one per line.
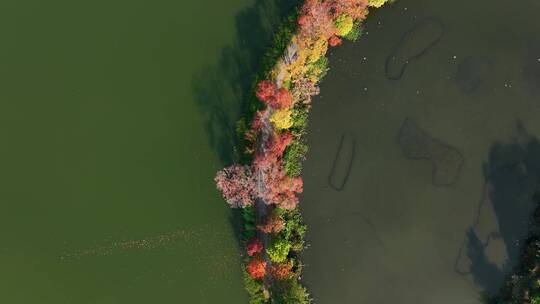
{"x":471,"y":73}
{"x":512,"y":179}
{"x":446,"y":229}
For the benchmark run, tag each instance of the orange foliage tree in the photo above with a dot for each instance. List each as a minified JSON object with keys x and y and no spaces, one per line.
{"x":272,"y":224}
{"x":257,"y":267}
{"x":281,"y":271}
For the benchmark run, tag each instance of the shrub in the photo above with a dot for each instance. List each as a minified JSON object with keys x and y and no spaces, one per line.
{"x":295,"y":229}
{"x":294,"y":157}
{"x":282,"y":38}
{"x":356,"y":31}
{"x":376,"y":3}
{"x":240,"y":149}
{"x":318,"y":69}
{"x":291,"y":291}
{"x":256,"y":290}
{"x":248,"y":216}
{"x":279,"y":250}
{"x":300,"y":119}
{"x":335,"y":41}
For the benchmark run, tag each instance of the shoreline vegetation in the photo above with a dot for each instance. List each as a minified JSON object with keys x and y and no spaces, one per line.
{"x":266,"y":179}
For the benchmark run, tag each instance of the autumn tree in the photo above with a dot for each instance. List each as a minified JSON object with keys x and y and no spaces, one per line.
{"x":278,"y":143}
{"x":357,"y":9}
{"x":282,"y":271}
{"x":334,"y":41}
{"x":236,"y":184}
{"x":254,"y":246}
{"x":316,"y":19}
{"x":266,"y":90}
{"x":282,"y":119}
{"x":257,"y":267}
{"x":279,"y":188}
{"x":273,"y":223}
{"x":284,"y":99}
{"x":269,"y":94}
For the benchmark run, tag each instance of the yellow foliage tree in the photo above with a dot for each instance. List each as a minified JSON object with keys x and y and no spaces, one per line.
{"x":282,"y":118}
{"x":317,"y":49}
{"x":344,"y":24}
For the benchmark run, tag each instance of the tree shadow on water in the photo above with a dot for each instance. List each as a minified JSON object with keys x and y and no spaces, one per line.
{"x":513,"y":175}
{"x":222,"y":91}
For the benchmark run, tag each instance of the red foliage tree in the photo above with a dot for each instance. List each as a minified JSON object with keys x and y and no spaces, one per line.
{"x":236,"y":184}
{"x":254,"y":246}
{"x":279,"y":188}
{"x":272,"y":224}
{"x":257,"y":267}
{"x":316,"y":19}
{"x":269,"y":93}
{"x":281,"y":271}
{"x":283,"y":99}
{"x":303,"y":20}
{"x":278,"y":143}
{"x":266,"y":91}
{"x":334,"y":41}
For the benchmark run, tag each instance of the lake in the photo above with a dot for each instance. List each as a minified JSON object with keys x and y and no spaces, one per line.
{"x":109,"y":148}
{"x":115,"y":117}
{"x":423,"y":154}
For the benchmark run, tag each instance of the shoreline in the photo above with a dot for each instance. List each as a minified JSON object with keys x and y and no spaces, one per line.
{"x":267,"y":178}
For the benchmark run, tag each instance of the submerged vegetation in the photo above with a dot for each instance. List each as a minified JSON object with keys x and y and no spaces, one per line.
{"x":267,"y":179}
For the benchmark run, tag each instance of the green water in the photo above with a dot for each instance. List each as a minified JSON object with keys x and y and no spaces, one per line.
{"x":114,"y":117}
{"x":106,"y":189}
{"x":397,"y":232}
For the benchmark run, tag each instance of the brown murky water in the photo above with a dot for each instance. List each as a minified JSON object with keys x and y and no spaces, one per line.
{"x":442,"y":101}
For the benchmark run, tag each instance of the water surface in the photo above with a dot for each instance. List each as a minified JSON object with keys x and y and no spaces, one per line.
{"x":106,"y":189}
{"x":446,"y":159}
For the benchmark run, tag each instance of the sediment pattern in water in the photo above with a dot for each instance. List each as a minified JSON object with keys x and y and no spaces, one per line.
{"x":414,"y":44}
{"x":416,"y":144}
{"x":343,"y":162}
